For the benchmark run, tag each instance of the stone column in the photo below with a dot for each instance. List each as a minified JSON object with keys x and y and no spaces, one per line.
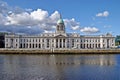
{"x":58,"y":43}
{"x":65,"y":43}
{"x":85,"y":45}
{"x":28,"y":43}
{"x":54,"y":42}
{"x":88,"y":45}
{"x":70,"y":43}
{"x":62,"y":42}
{"x":41,"y":43}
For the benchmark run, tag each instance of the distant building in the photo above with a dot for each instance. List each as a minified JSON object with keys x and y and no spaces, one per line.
{"x":59,"y":40}
{"x":2,"y":39}
{"x":117,"y":40}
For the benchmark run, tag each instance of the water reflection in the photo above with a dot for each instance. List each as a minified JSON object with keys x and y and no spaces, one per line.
{"x":54,"y":67}
{"x":78,"y":60}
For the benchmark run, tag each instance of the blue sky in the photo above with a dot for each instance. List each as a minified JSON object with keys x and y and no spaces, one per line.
{"x":81,"y":16}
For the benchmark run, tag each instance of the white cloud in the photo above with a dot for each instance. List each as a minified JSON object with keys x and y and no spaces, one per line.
{"x":45,"y":31}
{"x":28,"y":10}
{"x":23,"y":19}
{"x":29,"y":21}
{"x":89,"y":30}
{"x":39,"y":14}
{"x":74,"y":25}
{"x":107,"y":26}
{"x":103,"y":14}
{"x":55,"y":15}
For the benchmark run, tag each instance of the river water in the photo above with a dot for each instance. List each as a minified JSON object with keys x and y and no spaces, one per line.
{"x":60,"y":67}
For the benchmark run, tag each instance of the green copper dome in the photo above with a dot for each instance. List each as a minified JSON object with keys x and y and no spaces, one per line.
{"x":60,"y":21}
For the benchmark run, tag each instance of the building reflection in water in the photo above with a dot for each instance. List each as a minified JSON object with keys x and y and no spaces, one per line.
{"x":102,"y":60}
{"x":60,"y":65}
{"x":11,"y":62}
{"x":52,"y":66}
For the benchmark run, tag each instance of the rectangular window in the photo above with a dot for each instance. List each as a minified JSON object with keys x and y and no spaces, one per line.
{"x":103,"y":40}
{"x":77,"y":40}
{"x":96,"y":40}
{"x":26,"y":45}
{"x":36,"y":40}
{"x":6,"y":40}
{"x":52,"y":40}
{"x":33,"y":45}
{"x":68,"y":40}
{"x":112,"y":44}
{"x":20,"y":45}
{"x":30,"y":45}
{"x":39,"y":45}
{"x":103,"y":45}
{"x":20,"y":40}
{"x":43,"y":46}
{"x":112,"y":41}
{"x":63,"y":40}
{"x":36,"y":45}
{"x":42,"y":40}
{"x":47,"y":43}
{"x":33,"y":40}
{"x":87,"y":40}
{"x":52,"y":45}
{"x":56,"y":40}
{"x":6,"y":45}
{"x":81,"y":45}
{"x":27,"y":40}
{"x":72,"y":42}
{"x":30,"y":40}
{"x":84,"y":40}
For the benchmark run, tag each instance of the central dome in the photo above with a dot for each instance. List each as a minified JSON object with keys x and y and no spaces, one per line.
{"x":60,"y":21}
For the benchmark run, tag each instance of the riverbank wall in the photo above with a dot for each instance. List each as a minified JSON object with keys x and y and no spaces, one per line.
{"x":62,"y":51}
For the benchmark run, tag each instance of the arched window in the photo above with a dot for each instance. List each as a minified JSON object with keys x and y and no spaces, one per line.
{"x":21,"y":45}
{"x":24,"y":45}
{"x":96,"y":45}
{"x":30,"y":45}
{"x":57,"y":27}
{"x":27,"y":46}
{"x":33,"y":46}
{"x":99,"y":45}
{"x":39,"y":45}
{"x":36,"y":45}
{"x":90,"y":45}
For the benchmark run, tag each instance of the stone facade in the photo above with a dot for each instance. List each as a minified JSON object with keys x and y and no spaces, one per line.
{"x":59,"y":40}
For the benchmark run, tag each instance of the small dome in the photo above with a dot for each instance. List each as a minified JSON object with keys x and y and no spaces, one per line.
{"x":60,"y":21}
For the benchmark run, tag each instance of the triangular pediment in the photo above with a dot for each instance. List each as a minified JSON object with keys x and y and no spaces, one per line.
{"x":61,"y":35}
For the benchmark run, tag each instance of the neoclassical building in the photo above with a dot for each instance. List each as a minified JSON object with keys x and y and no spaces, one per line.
{"x":59,"y":40}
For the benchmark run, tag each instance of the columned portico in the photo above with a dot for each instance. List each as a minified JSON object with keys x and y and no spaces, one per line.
{"x":60,"y":43}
